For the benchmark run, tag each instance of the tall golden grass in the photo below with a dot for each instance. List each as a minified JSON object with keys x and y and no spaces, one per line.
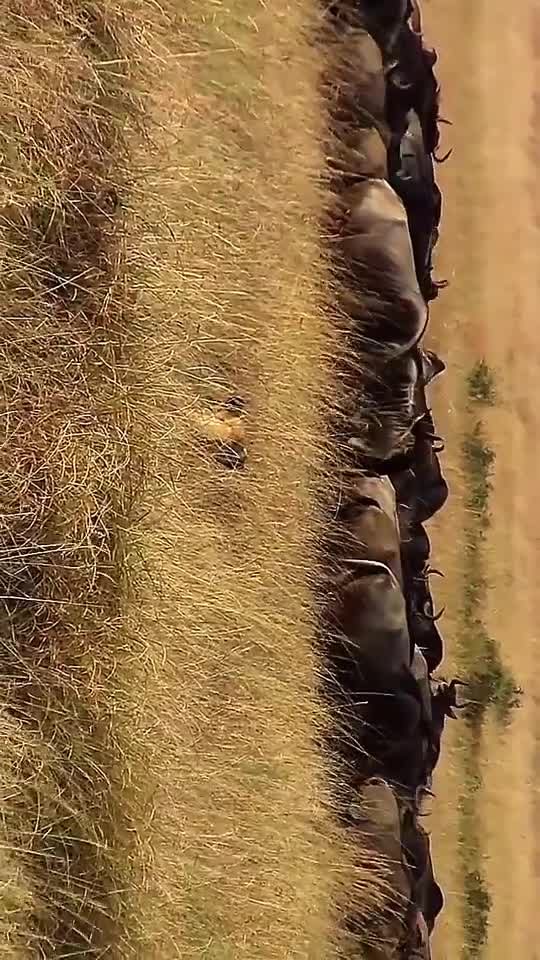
{"x":163,"y":794}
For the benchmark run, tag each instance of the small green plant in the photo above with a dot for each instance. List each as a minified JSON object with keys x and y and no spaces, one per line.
{"x":481,"y":384}
{"x":492,"y":684}
{"x":476,"y":908}
{"x":479,"y":462}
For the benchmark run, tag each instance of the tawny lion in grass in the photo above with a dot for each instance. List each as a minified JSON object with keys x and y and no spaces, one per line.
{"x":223,"y":428}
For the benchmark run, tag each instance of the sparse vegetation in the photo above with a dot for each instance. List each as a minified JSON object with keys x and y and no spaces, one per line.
{"x":492,"y":685}
{"x":479,"y":461}
{"x":482,"y":384}
{"x":162,"y":795}
{"x":477,"y":906}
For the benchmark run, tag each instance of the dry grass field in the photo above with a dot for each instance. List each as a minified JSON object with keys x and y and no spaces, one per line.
{"x":489,"y":69}
{"x":162,"y":795}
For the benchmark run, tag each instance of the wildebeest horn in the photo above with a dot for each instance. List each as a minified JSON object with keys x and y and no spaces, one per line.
{"x":444,"y":120}
{"x":375,"y":566}
{"x":433,"y":617}
{"x":441,"y":284}
{"x":443,"y":158}
{"x":436,"y":573}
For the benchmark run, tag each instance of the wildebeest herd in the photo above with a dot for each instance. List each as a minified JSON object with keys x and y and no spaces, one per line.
{"x":383,"y":642}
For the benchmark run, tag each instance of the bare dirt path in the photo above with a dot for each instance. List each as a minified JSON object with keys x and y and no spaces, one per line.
{"x":489,"y":69}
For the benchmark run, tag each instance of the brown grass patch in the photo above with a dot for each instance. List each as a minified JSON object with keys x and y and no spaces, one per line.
{"x":162,"y":794}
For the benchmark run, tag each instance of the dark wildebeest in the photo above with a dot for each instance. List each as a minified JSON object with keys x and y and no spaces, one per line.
{"x":377,"y":818}
{"x":414,"y":182}
{"x":356,"y":153}
{"x":404,"y":748}
{"x":375,"y":245}
{"x":388,"y":423}
{"x":415,"y":549}
{"x":417,"y":369}
{"x":420,"y":672}
{"x":385,"y":19}
{"x":369,"y":611}
{"x":390,"y":718}
{"x":380,"y":293}
{"x":427,"y":894}
{"x":443,"y":704}
{"x":358,"y":80}
{"x":412,"y":86}
{"x":367,"y":524}
{"x":425,"y":633}
{"x":422,"y":619}
{"x":418,"y":946}
{"x":421,"y":490}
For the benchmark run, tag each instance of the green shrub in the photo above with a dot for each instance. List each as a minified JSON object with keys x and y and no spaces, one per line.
{"x":476,"y":907}
{"x":481,"y":385}
{"x":479,"y":462}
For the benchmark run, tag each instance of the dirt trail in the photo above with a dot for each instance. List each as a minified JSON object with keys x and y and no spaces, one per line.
{"x":489,"y":70}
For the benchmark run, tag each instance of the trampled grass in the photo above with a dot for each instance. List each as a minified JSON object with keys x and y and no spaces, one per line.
{"x":162,"y":794}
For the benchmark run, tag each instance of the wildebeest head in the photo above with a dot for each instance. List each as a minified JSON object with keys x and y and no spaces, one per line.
{"x":444,"y":699}
{"x":367,"y":524}
{"x":432,"y":365}
{"x":369,"y":610}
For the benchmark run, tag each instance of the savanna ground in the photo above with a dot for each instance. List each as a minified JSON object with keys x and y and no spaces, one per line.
{"x":487,"y":816}
{"x":160,"y":252}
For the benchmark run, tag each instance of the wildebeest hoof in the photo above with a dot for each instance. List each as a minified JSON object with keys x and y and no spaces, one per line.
{"x":232,"y":455}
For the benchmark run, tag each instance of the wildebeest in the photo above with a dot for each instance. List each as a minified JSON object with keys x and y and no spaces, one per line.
{"x":355,"y":88}
{"x":414,"y":182}
{"x":356,"y":152}
{"x":369,"y":612}
{"x":376,"y":244}
{"x":427,"y":894}
{"x":384,"y":20}
{"x":420,"y":672}
{"x":443,"y":704}
{"x":390,"y":443}
{"x":422,"y":620}
{"x":387,"y":426}
{"x":415,"y":548}
{"x":380,"y":293}
{"x":432,"y":365}
{"x":378,"y":819}
{"x":419,"y":946}
{"x":367,"y":525}
{"x":421,"y":490}
{"x":412,"y":86}
{"x":425,"y":633}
